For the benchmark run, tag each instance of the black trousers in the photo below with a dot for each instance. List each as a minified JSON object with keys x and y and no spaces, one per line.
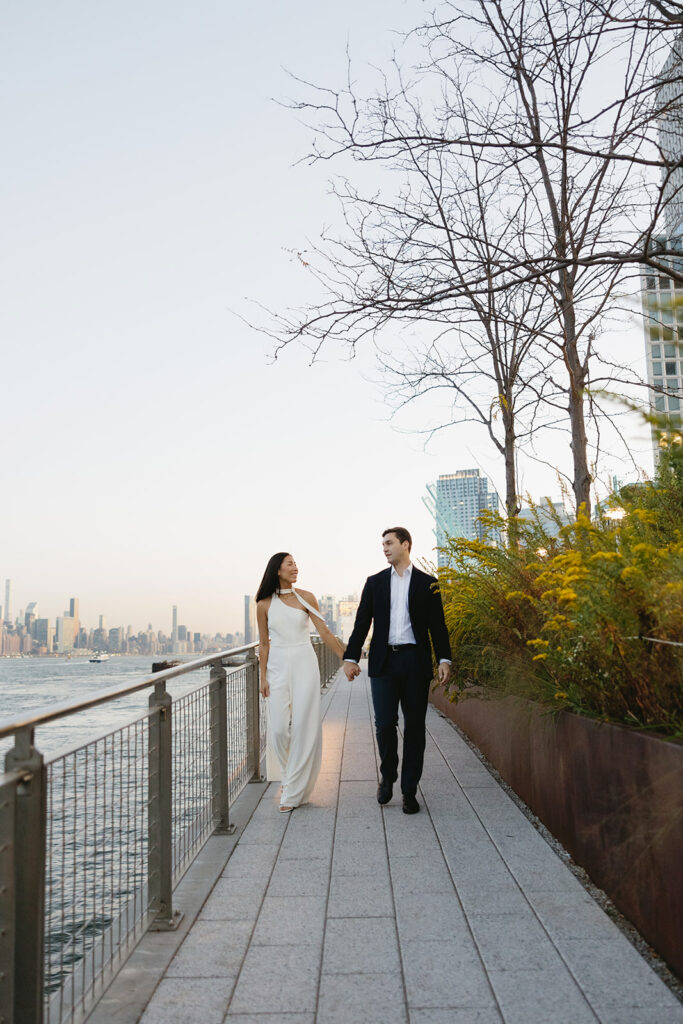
{"x":401,"y":684}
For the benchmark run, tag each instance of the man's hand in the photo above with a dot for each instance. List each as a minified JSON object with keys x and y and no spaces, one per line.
{"x":444,"y":673}
{"x":351,"y":670}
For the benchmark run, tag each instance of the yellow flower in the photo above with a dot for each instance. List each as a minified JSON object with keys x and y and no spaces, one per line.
{"x":539,"y":657}
{"x":561,"y":695}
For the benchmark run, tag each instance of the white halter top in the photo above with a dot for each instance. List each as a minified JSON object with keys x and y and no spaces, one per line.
{"x":288,"y":626}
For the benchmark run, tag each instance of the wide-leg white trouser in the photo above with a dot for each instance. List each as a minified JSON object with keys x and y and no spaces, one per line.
{"x":294,"y":725}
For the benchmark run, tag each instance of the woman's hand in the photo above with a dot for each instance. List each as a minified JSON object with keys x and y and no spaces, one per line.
{"x":264,"y":688}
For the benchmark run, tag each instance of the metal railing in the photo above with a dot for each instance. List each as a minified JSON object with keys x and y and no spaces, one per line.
{"x":94,"y":840}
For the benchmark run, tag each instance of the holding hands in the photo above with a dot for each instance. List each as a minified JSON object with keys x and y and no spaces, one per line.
{"x":351,"y":670}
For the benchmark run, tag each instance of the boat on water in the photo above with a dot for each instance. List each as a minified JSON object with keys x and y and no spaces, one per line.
{"x":99,"y":657}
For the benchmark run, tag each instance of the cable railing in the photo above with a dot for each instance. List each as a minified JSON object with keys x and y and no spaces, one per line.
{"x":94,"y":840}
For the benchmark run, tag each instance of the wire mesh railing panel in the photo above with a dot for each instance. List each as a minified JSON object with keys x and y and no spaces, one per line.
{"x":96,"y":864}
{"x":192,"y":782}
{"x":238,"y":753}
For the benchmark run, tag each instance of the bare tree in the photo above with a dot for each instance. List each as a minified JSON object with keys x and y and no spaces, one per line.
{"x":555,"y":105}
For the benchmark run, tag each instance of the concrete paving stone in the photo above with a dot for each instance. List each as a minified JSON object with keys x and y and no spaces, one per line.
{"x":454,"y":1016}
{"x":405,"y":840}
{"x":212,"y":949}
{"x":189,"y":1001}
{"x":361,"y":999}
{"x":360,"y":896}
{"x":307,"y":876}
{"x":358,"y":770}
{"x":445,"y":973}
{"x":360,"y":829}
{"x":270,"y":1018}
{"x":613,"y":974}
{"x":428,"y":874}
{"x":495,"y":807}
{"x":476,"y":865}
{"x":513,"y":942}
{"x":325,"y":792}
{"x":307,"y":844}
{"x":251,"y":861}
{"x":357,"y":945}
{"x":640,"y":1015}
{"x":287,"y":920}
{"x":228,"y":901}
{"x":535,"y":871}
{"x":359,"y":859}
{"x":284,"y":982}
{"x":540,"y":997}
{"x":429,"y":915}
{"x":478,"y":897}
{"x":265,"y":830}
{"x":572,"y":916}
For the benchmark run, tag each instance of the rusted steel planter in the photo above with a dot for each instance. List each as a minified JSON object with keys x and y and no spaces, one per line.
{"x":611,"y":795}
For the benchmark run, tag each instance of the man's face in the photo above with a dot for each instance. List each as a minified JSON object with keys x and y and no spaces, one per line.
{"x":394,"y":551}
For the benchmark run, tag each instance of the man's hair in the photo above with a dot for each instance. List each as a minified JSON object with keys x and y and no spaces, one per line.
{"x":401,"y":533}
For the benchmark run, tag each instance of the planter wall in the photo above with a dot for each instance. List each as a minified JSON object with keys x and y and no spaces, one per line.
{"x":612,"y":796}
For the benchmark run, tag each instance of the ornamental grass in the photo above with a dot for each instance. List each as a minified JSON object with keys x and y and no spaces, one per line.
{"x":571,"y":619}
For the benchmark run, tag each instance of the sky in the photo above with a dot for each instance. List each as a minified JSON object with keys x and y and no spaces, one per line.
{"x":151,"y":192}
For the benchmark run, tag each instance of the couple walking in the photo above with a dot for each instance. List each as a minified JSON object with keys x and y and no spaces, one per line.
{"x":404,"y":607}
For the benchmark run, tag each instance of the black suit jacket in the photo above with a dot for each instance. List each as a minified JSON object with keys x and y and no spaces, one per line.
{"x":426,"y":618}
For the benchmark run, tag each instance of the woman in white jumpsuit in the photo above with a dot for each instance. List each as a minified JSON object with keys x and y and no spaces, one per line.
{"x":290,"y":679}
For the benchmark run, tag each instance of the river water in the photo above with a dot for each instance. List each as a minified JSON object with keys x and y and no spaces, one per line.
{"x":36,"y":684}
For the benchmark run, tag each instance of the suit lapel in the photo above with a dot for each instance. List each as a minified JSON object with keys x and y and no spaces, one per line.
{"x":386,"y":589}
{"x":412,"y":590}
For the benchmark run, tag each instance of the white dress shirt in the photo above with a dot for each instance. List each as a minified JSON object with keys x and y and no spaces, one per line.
{"x":400,"y":628}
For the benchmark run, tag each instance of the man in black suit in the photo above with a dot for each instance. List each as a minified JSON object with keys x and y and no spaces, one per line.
{"x":406,"y":609}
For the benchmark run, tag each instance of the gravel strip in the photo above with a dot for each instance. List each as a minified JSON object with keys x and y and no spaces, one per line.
{"x":601,"y":898}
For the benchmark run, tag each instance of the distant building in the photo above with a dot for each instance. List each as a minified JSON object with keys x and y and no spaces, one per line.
{"x":456,"y":501}
{"x":8,"y":601}
{"x":73,"y":612}
{"x":116,"y":640}
{"x":546,"y":514}
{"x":328,"y":607}
{"x":662,"y":298}
{"x":250,"y":629}
{"x":348,"y":607}
{"x":30,"y":617}
{"x":65,"y":634}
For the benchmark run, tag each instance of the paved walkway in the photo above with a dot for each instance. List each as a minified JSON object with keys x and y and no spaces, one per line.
{"x":344,"y":912}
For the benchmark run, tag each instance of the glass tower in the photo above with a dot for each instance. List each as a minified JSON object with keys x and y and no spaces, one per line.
{"x":456,"y":501}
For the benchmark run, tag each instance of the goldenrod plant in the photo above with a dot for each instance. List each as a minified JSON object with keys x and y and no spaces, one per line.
{"x":584,"y":617}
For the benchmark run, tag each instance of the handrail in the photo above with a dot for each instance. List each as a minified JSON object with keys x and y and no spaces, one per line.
{"x":9,"y":726}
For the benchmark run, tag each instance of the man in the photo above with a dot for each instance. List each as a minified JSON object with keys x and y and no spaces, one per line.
{"x":406,"y":609}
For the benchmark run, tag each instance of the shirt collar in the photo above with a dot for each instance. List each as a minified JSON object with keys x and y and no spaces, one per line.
{"x":406,"y":572}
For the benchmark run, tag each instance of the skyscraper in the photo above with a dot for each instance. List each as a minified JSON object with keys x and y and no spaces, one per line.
{"x":65,"y":634}
{"x":73,"y":613}
{"x":8,"y":601}
{"x":662,"y":297}
{"x":455,"y":501}
{"x":250,"y":630}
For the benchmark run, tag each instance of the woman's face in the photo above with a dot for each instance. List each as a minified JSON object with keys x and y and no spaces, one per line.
{"x":288,"y":572}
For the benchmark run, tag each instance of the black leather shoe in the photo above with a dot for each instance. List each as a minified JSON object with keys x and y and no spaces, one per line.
{"x":384,"y":791}
{"x":410,"y":804}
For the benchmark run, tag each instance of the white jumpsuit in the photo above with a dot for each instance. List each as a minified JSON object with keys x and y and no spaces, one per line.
{"x":294,"y":725}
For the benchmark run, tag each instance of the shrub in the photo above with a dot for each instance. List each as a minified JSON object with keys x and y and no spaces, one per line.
{"x":564,"y":619}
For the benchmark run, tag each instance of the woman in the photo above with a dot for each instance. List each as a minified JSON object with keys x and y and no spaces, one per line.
{"x":290,"y":677}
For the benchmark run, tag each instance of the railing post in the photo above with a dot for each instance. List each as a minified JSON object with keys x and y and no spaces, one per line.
{"x":30,"y":806}
{"x":253,"y":718}
{"x":160,"y":847}
{"x":219,"y":750}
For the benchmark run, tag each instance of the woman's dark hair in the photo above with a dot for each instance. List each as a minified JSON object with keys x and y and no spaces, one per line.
{"x":271,"y":582}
